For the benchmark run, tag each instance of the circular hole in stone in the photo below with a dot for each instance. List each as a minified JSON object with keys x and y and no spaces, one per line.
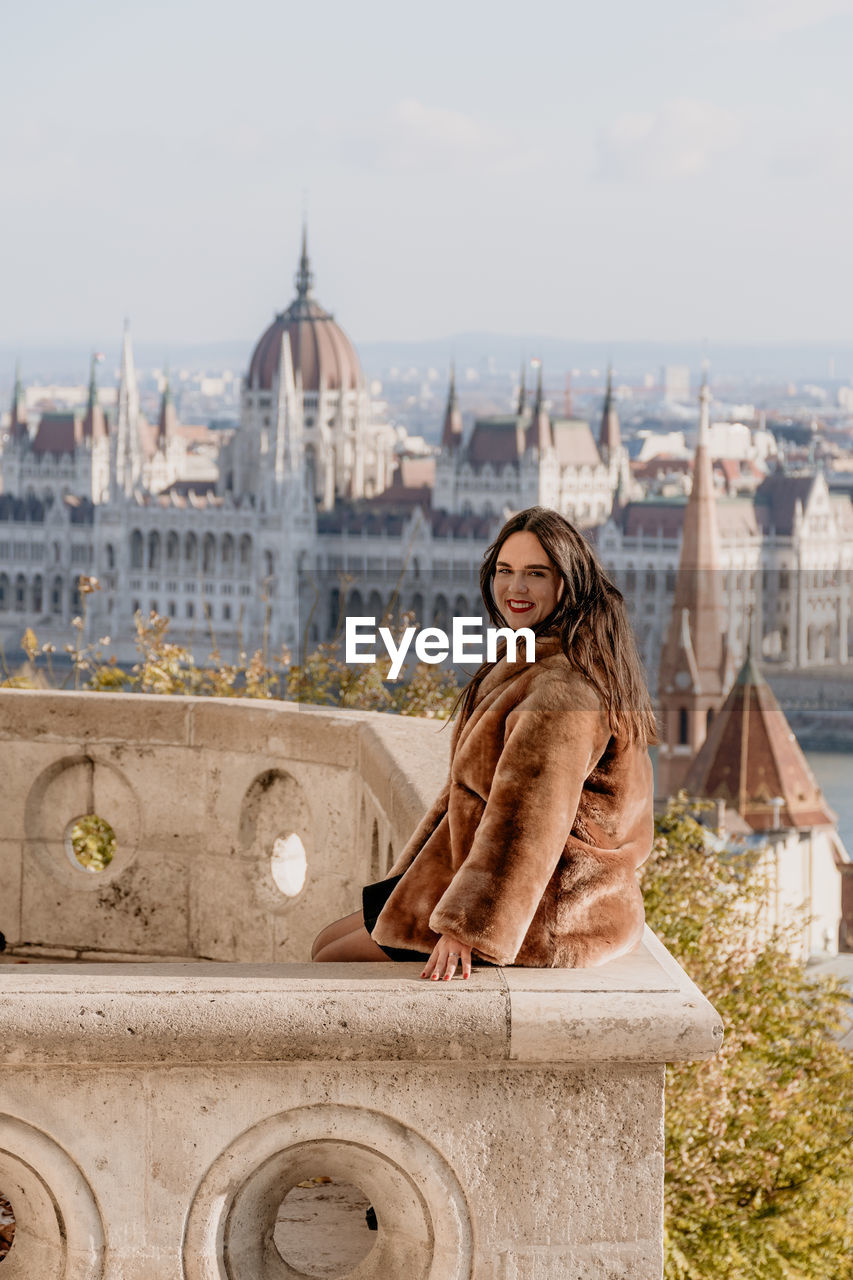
{"x":7,"y":1226}
{"x":322,"y":1227}
{"x":91,"y":842}
{"x":289,"y":864}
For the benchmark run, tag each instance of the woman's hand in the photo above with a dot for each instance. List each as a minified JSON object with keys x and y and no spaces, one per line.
{"x":446,"y":954}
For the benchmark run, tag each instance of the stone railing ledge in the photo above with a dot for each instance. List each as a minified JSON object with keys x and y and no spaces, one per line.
{"x":641,"y":1008}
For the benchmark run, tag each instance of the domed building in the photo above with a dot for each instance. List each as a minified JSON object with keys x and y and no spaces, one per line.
{"x":306,"y":404}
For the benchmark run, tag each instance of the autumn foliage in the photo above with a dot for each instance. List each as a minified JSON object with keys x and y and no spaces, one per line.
{"x":759,"y":1180}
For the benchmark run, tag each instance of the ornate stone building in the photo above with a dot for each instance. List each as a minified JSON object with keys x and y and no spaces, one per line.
{"x":530,"y":457}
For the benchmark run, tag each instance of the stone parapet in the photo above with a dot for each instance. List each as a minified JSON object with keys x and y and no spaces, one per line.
{"x":156,"y":1117}
{"x":197,"y":791}
{"x":504,"y":1128}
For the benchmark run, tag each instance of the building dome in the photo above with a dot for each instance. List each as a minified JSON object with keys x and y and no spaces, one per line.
{"x":320,"y":349}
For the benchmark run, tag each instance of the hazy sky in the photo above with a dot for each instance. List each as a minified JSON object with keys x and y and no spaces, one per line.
{"x":607,"y":169}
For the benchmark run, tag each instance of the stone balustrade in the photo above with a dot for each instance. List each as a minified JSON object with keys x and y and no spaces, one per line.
{"x":155,"y":1116}
{"x":198,"y":790}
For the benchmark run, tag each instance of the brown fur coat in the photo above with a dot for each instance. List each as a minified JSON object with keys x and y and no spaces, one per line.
{"x":530,"y":853}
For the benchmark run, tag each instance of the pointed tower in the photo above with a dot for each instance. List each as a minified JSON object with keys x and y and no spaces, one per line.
{"x":304,"y":279}
{"x":167,"y":422}
{"x":288,"y":438}
{"x":18,"y":423}
{"x":522,"y":391}
{"x":752,"y":761}
{"x":94,"y":422}
{"x":538,"y":434}
{"x":690,"y":681}
{"x":127,"y":453}
{"x":610,"y":435}
{"x":451,"y":435}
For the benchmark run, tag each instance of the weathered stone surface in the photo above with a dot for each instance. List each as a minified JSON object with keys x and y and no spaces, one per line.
{"x":371,"y":1012}
{"x":153,"y":1116}
{"x":197,"y":781}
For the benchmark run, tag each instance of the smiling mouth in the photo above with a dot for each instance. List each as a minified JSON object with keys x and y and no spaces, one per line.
{"x":520,"y":606}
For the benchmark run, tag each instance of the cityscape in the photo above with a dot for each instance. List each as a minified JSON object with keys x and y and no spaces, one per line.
{"x":299,"y":307}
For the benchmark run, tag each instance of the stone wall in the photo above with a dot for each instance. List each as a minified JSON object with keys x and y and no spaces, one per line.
{"x":155,"y":1117}
{"x":197,"y":792}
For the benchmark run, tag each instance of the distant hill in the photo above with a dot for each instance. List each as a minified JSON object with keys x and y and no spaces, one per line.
{"x":484,"y":352}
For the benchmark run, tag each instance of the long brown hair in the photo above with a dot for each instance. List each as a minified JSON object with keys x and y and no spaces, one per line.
{"x":590,"y":619}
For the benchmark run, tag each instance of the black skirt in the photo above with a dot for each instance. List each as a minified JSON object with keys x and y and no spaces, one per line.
{"x":373,"y":899}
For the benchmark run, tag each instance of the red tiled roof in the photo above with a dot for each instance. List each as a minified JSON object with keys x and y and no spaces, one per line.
{"x":751,"y":757}
{"x":495,"y":440}
{"x":58,"y":433}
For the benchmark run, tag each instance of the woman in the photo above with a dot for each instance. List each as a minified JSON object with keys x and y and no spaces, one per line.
{"x":529,"y":855}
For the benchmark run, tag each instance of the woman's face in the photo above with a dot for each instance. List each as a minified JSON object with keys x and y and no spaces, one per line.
{"x":526,"y":585}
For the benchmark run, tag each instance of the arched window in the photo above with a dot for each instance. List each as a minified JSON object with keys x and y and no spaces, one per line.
{"x":334,"y":609}
{"x":439,"y":612}
{"x":191,"y":551}
{"x":208,"y":554}
{"x":460,"y":608}
{"x":76,"y":598}
{"x":355,"y":605}
{"x":651,"y":579}
{"x":190,"y":609}
{"x":111,"y":555}
{"x":245,"y":551}
{"x":56,"y":596}
{"x":375,"y":608}
{"x":173,"y":549}
{"x":136,"y":550}
{"x":226,"y":613}
{"x":683,"y":725}
{"x":269,"y":564}
{"x":418,"y":607}
{"x":4,"y":592}
{"x":38,"y":593}
{"x":228,"y":553}
{"x":57,"y":552}
{"x":154,"y":550}
{"x":20,"y":593}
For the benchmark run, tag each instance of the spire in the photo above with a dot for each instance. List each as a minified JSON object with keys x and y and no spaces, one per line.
{"x":288,"y":452}
{"x":693,"y":660}
{"x":18,"y":423}
{"x":304,"y":276}
{"x":704,"y":410}
{"x":522,"y":390}
{"x":538,"y":434}
{"x":610,"y":435}
{"x":168,"y":420}
{"x":752,"y":761}
{"x":127,"y":467}
{"x":94,"y":422}
{"x":451,"y":435}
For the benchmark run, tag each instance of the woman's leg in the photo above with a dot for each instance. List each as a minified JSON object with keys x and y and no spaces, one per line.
{"x":335,"y":930}
{"x":356,"y":945}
